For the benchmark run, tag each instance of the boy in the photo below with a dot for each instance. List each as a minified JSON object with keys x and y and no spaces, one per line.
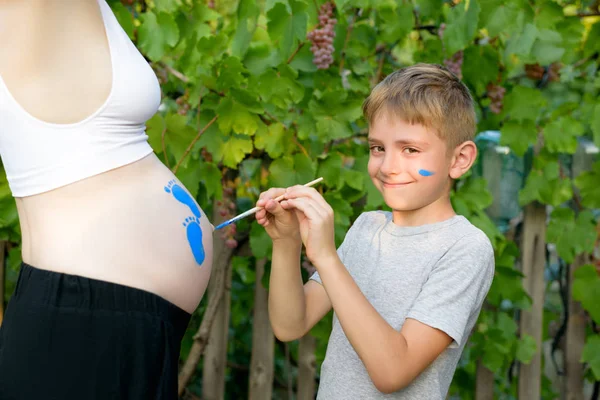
{"x":406,"y":286}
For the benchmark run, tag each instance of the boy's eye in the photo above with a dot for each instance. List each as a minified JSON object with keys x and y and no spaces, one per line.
{"x":410,"y":150}
{"x":376,"y":149}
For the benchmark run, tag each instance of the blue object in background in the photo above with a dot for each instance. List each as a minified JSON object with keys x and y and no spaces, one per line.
{"x":505,"y":173}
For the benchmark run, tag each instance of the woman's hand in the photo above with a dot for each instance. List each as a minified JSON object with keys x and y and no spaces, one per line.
{"x":279,"y":223}
{"x":315,"y":217}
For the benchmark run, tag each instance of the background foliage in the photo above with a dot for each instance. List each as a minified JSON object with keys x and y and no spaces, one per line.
{"x":246,"y":108}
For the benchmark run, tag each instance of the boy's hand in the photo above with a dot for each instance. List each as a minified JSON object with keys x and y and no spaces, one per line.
{"x":279,"y":223}
{"x":316,"y":221}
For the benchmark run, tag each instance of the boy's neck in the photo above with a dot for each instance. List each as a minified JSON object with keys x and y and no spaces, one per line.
{"x":439,"y":211}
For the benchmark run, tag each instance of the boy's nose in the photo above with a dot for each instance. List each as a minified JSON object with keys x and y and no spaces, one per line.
{"x":391,"y":165}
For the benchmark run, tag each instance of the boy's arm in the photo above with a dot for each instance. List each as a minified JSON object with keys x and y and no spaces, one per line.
{"x":293,"y":308}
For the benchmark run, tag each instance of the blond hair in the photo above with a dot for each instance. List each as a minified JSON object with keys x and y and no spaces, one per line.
{"x":426,"y":94}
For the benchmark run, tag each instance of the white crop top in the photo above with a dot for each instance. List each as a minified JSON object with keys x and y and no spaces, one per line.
{"x":39,"y":156}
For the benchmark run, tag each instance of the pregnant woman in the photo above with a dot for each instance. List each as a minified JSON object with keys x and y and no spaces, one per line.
{"x":116,"y":253}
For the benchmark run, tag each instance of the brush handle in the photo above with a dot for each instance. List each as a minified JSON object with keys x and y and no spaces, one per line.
{"x":255,"y":209}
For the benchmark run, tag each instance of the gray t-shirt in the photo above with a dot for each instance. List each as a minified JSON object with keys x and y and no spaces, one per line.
{"x":438,"y":274}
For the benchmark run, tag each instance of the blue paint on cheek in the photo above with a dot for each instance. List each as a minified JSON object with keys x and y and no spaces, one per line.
{"x":424,"y":172}
{"x":194,"y":236}
{"x":183,"y":197}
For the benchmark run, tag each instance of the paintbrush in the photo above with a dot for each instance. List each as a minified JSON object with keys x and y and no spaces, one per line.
{"x":255,"y":209}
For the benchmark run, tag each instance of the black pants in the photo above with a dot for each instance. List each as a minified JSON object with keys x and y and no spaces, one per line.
{"x":68,"y":337}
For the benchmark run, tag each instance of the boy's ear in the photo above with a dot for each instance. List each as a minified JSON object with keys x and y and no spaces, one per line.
{"x":463,"y":158}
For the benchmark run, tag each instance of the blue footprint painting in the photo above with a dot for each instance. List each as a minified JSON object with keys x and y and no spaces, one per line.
{"x":183,"y":197}
{"x":194,"y":236}
{"x":192,"y":224}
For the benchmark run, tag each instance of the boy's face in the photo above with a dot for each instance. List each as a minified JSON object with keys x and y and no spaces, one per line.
{"x":411,"y":166}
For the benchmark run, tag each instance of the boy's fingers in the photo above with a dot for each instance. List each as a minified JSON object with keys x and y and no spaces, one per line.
{"x":273,"y":207}
{"x":308,"y":208}
{"x":272,"y":193}
{"x":269,"y":194}
{"x":260,"y":214}
{"x":308,"y":192}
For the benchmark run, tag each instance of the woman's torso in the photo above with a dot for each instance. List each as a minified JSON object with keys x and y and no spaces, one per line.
{"x":132,"y":225}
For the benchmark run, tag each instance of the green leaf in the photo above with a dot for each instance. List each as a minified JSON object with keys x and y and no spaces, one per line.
{"x":247,"y":15}
{"x":397,"y":20}
{"x":548,"y":15}
{"x":591,"y":355}
{"x":353,"y":179}
{"x":168,"y":6}
{"x":342,"y":212}
{"x":526,"y":348}
{"x":259,"y":58}
{"x":211,"y":48}
{"x":231,"y":74}
{"x":522,"y":44}
{"x":587,"y":183}
{"x":154,"y":129}
{"x":235,"y":116}
{"x":250,"y":168}
{"x":125,"y":18}
{"x":461,"y":26}
{"x":595,"y":125}
{"x":281,"y":87}
{"x":474,"y":194}
{"x":235,"y":150}
{"x":546,"y":186}
{"x":570,"y":236}
{"x":592,"y":44}
{"x":523,"y":103}
{"x":156,"y":33}
{"x":330,"y":128}
{"x":498,"y":16}
{"x":210,"y":175}
{"x":242,"y":267}
{"x":561,"y":135}
{"x":480,"y":66}
{"x":287,"y":28}
{"x":275,"y":140}
{"x":518,"y":135}
{"x":212,"y":139}
{"x":428,"y":8}
{"x":260,"y":242}
{"x":507,"y":284}
{"x":291,"y":170}
{"x":495,"y":354}
{"x":178,"y":136}
{"x":546,"y":52}
{"x":586,"y":289}
{"x":330,"y":169}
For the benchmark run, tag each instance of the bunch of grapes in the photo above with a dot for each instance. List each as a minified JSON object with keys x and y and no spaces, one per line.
{"x":454,"y":64}
{"x":322,"y":37}
{"x":554,"y":72}
{"x":496,"y":94}
{"x":211,"y":3}
{"x":183,"y":104}
{"x":441,"y":30}
{"x":206,"y":156}
{"x":226,"y":210}
{"x":538,"y":73}
{"x":534,"y":71}
{"x":161,"y":73}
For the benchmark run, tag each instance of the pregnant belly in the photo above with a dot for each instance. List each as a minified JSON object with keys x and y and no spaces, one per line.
{"x":136,"y":226}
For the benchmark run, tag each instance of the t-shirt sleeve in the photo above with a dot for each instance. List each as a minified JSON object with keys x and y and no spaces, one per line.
{"x":456,"y":287}
{"x":346,"y":243}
